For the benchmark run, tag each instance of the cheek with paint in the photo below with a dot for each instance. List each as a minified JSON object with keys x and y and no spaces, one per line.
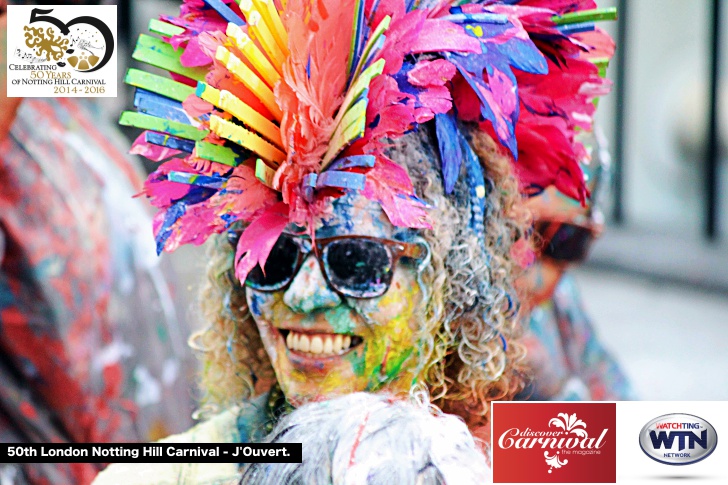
{"x":391,"y":349}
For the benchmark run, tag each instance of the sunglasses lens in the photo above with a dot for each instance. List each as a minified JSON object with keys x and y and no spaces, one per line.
{"x":358,"y":268}
{"x":279,"y":268}
{"x":570,"y":242}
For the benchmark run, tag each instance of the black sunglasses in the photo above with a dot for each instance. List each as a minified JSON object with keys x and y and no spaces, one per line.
{"x":354,"y":266}
{"x":564,"y":241}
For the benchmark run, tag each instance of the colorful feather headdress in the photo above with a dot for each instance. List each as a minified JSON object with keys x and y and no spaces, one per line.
{"x":276,"y":105}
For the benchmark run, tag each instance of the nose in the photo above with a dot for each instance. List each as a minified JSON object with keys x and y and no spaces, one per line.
{"x":309,"y":291}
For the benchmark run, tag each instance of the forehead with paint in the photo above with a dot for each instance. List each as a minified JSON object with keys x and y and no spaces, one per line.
{"x":352,"y":214}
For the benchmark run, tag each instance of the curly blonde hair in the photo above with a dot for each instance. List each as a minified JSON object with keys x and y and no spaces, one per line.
{"x":469,"y":352}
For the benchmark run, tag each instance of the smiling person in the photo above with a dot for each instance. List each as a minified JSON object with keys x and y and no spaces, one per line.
{"x":364,"y":310}
{"x":353,"y":166}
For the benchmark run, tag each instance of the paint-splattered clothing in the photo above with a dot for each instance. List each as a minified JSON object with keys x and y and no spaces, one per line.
{"x":90,"y":347}
{"x":568,"y":360}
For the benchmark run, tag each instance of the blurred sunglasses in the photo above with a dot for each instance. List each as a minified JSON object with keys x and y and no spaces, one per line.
{"x":354,"y":266}
{"x":565,"y":241}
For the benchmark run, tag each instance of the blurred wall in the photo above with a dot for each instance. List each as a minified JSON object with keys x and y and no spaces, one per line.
{"x":666,"y":114}
{"x":666,"y":109}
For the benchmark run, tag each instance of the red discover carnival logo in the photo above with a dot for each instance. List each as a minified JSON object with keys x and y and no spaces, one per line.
{"x":554,"y":442}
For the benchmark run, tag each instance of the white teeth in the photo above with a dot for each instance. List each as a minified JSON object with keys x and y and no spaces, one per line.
{"x":304,"y":345}
{"x":318,"y":344}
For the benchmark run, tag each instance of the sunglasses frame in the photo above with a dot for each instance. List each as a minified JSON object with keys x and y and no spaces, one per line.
{"x":548,"y":228}
{"x":396,"y":251}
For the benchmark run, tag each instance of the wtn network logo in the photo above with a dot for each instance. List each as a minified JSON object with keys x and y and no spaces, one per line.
{"x":678,"y":439}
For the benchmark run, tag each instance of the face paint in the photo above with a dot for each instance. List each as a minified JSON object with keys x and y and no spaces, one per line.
{"x":322,"y":344}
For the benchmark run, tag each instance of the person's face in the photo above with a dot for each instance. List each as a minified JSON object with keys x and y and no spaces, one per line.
{"x":539,"y":281}
{"x":323,"y":344}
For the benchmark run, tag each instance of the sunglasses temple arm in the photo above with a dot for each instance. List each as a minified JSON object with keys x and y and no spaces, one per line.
{"x":424,"y":259}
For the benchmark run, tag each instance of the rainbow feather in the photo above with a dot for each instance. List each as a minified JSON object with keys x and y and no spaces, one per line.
{"x":276,"y":105}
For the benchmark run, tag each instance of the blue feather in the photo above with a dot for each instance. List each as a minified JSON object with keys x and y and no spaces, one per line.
{"x":154,"y":104}
{"x":171,"y":216}
{"x":162,"y":139}
{"x":225,"y":12}
{"x":524,"y":55}
{"x":451,"y":155}
{"x":207,"y":181}
{"x":576,"y":28}
{"x":486,"y":110}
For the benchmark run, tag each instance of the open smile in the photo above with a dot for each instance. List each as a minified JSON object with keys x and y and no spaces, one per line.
{"x":319,"y":345}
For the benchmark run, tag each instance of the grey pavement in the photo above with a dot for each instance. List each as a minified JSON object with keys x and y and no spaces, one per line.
{"x":672,"y":340}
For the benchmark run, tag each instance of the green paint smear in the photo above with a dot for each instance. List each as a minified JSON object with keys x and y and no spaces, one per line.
{"x":340,"y":320}
{"x":358,"y":362}
{"x":396,"y":365}
{"x":378,"y":378}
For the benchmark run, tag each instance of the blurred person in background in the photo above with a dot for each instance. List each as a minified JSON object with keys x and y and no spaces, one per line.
{"x":91,"y":346}
{"x":567,"y":360}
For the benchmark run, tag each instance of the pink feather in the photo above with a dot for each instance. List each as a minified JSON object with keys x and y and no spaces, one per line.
{"x":258,"y":239}
{"x":439,"y":35}
{"x":389,"y":185}
{"x":196,"y":107}
{"x":548,"y":156}
{"x":434,"y":100}
{"x":152,"y":152}
{"x":193,"y":55}
{"x":400,"y":39}
{"x":431,"y":73}
{"x":598,"y":42}
{"x":243,"y":195}
{"x":161,"y":192}
{"x":561,"y":6}
{"x":197,"y":224}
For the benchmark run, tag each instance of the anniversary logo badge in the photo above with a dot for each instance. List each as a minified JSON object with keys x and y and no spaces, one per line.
{"x":61,"y":51}
{"x":554,"y":442}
